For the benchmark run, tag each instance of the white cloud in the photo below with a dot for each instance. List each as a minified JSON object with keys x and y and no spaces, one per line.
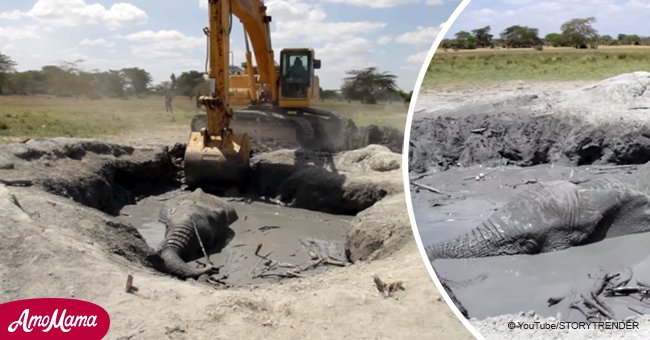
{"x":341,"y":45}
{"x":203,"y":4}
{"x":422,"y":35}
{"x":384,"y":39}
{"x":305,"y":23}
{"x":96,"y":42}
{"x":72,"y":13}
{"x":345,"y":54}
{"x":163,"y":44}
{"x":434,"y":2}
{"x":18,"y":33}
{"x":417,"y":58}
{"x":375,"y":3}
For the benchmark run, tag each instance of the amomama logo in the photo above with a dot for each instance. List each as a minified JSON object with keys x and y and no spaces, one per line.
{"x":53,"y":318}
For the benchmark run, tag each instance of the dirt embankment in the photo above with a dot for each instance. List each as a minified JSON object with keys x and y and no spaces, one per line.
{"x":602,"y":123}
{"x":59,"y":238}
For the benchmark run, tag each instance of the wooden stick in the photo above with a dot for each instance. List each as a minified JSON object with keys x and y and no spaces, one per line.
{"x":593,"y":304}
{"x":576,"y":305}
{"x":198,"y":237}
{"x":129,"y":284}
{"x":427,"y":187}
{"x":634,"y":310}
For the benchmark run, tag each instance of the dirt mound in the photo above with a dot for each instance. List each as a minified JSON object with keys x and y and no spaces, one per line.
{"x":371,"y":158}
{"x":344,"y":183}
{"x":375,"y":235}
{"x":604,"y":123}
{"x":382,"y":135}
{"x":624,"y":87}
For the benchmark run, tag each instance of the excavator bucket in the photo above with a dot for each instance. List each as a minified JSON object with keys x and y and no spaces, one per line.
{"x":211,"y":160}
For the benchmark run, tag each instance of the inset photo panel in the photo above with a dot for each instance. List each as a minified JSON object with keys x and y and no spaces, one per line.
{"x":528,"y":174}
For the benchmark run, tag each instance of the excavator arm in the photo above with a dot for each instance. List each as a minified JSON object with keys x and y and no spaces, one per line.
{"x":252,"y":14}
{"x":217,"y":153}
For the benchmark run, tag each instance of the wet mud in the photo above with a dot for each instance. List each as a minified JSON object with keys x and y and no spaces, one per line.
{"x":493,"y":286}
{"x":286,"y":235}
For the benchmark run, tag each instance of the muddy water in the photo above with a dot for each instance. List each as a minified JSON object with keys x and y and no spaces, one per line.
{"x":510,"y":284}
{"x":286,"y":233}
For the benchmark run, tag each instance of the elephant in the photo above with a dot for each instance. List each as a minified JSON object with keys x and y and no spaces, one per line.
{"x":554,"y":216}
{"x":185,"y":217}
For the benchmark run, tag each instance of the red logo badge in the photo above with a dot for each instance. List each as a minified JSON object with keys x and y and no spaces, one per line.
{"x":53,"y":318}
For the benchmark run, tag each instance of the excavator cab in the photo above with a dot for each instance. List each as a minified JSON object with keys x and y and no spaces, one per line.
{"x":298,"y":85}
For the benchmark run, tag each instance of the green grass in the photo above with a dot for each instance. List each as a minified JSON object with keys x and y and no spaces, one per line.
{"x":393,"y":115}
{"x":48,"y":116}
{"x":453,"y":68}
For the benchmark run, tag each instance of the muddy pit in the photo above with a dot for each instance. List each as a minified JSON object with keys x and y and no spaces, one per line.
{"x":297,"y":209}
{"x":481,"y":150}
{"x":61,"y":236}
{"x":287,"y":234}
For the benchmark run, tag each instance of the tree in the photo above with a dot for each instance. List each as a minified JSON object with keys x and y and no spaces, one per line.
{"x":188,"y":82}
{"x":555,"y":39}
{"x":25,"y":83}
{"x":632,"y":39}
{"x":520,"y":36}
{"x":579,"y":33}
{"x":6,"y":65}
{"x":368,"y":85}
{"x":63,"y":80}
{"x":466,"y":40}
{"x":136,"y":79}
{"x":483,"y":37}
{"x":110,"y":84}
{"x":606,"y":40}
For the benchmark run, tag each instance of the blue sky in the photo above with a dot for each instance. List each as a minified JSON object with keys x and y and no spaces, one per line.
{"x":165,"y":36}
{"x":612,"y":16}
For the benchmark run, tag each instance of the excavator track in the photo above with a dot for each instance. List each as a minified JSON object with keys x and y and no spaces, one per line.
{"x":309,"y":128}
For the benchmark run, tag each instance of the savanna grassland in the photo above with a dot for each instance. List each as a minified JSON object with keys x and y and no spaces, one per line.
{"x":484,"y":66}
{"x":49,"y":116}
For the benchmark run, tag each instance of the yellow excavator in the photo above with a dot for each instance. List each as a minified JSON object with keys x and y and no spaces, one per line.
{"x":277,"y":98}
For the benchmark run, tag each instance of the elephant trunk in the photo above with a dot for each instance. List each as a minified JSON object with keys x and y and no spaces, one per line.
{"x":174,"y":264}
{"x":180,"y":237}
{"x":481,"y":241}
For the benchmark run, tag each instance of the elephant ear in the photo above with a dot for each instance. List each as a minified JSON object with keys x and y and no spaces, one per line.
{"x":598,"y":203}
{"x":632,"y":215}
{"x":598,"y":209}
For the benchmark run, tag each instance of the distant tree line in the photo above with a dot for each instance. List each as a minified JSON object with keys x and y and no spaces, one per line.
{"x":367,"y":85}
{"x":577,"y":33}
{"x":68,"y":80}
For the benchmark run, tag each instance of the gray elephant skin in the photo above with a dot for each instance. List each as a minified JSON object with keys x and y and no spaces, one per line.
{"x":183,"y":217}
{"x":554,"y":216}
